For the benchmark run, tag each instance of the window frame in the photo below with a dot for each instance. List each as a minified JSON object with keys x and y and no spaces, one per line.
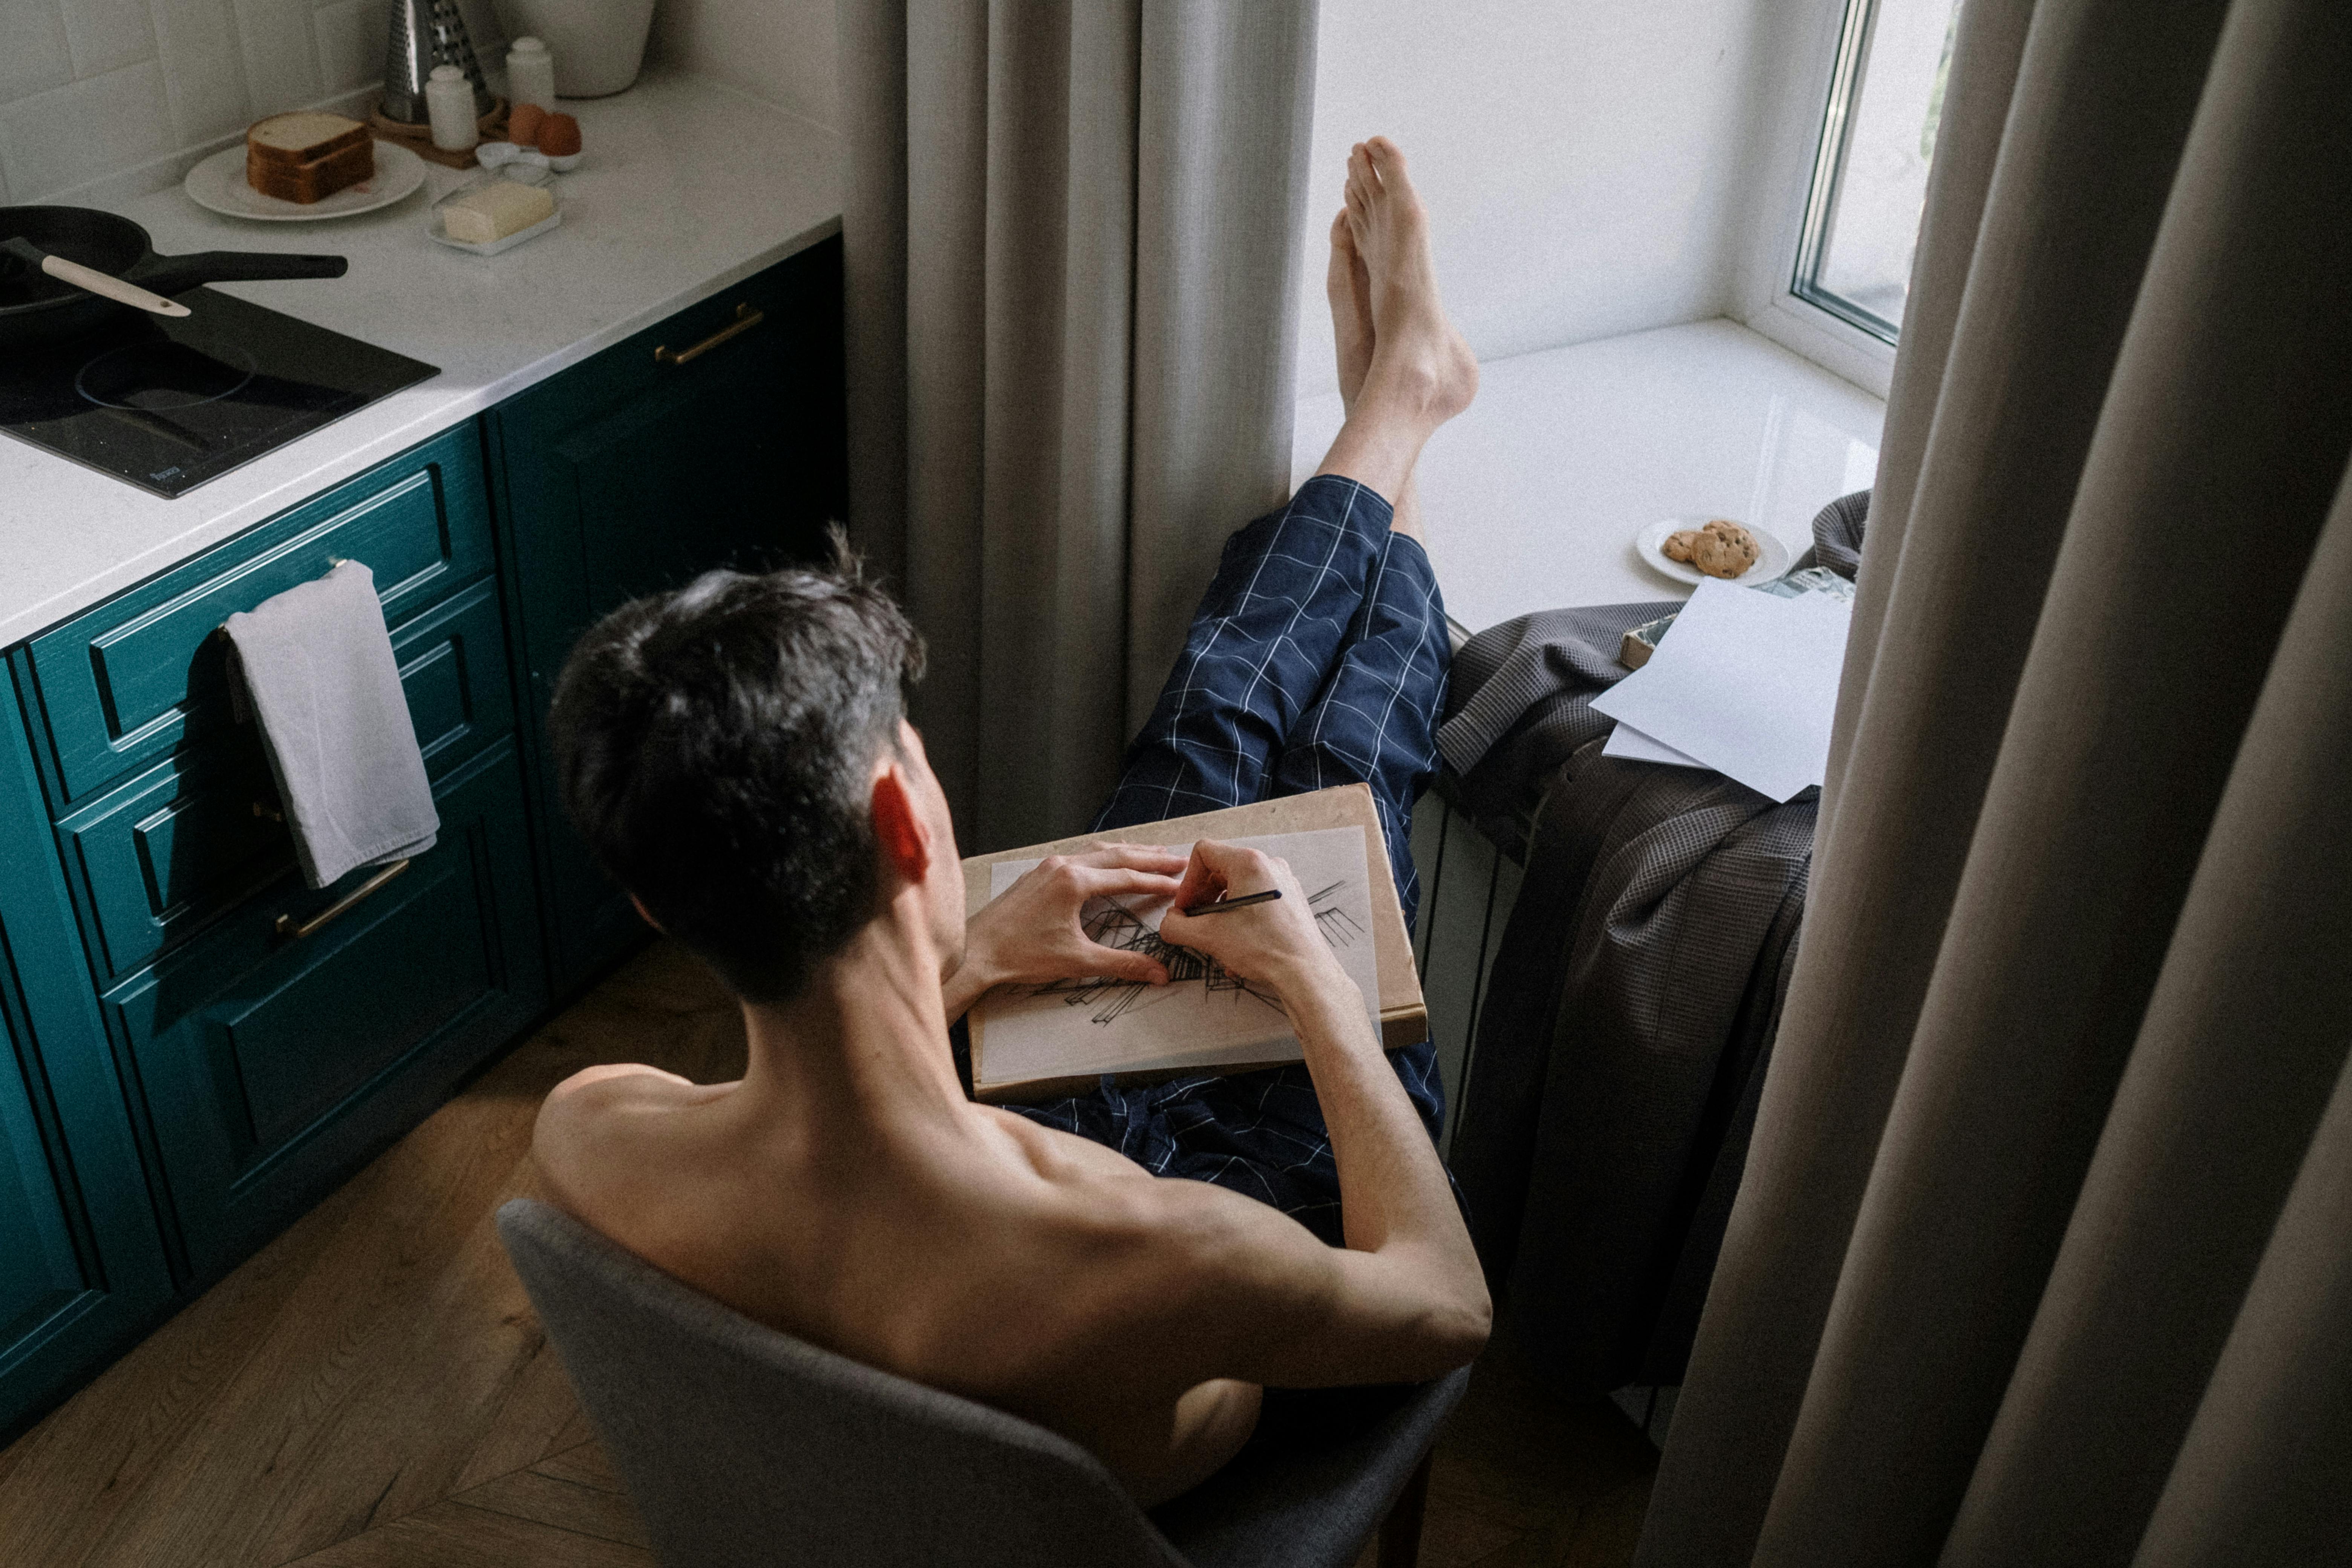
{"x":1855,"y":30}
{"x":1801,"y":124}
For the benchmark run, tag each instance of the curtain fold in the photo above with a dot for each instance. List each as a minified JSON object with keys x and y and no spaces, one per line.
{"x":2050,"y":1061}
{"x":1072,"y":234}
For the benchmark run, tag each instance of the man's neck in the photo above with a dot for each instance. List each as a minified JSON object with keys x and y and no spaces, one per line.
{"x":863,"y":1052}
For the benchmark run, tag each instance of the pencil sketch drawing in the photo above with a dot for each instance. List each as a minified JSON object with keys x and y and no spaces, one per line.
{"x":1113,"y":924}
{"x":1204,"y":1015}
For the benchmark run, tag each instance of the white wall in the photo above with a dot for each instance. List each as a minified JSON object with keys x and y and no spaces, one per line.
{"x":779,"y":50}
{"x":1582,"y":159}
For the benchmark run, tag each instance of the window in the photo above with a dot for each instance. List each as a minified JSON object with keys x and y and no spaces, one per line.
{"x":1870,"y":174}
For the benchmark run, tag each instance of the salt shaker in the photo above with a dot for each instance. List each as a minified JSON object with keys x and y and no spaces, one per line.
{"x":449,"y":103}
{"x":531,"y":73}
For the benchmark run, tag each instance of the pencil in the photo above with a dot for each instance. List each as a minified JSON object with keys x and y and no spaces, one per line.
{"x":1221,"y":905}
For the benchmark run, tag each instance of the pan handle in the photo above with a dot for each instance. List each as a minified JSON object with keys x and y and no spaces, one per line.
{"x":172,"y":274}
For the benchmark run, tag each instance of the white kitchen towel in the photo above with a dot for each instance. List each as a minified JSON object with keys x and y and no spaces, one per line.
{"x":315,"y":664}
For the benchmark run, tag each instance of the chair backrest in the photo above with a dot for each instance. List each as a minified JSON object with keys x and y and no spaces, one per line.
{"x":745,"y":1448}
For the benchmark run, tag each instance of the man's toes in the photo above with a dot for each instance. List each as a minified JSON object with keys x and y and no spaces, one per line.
{"x":1386,"y":158}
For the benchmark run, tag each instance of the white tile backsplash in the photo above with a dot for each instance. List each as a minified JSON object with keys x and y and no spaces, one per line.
{"x":129,"y":92}
{"x":34,"y":54}
{"x":351,"y":42}
{"x":107,"y":35}
{"x":85,"y":129}
{"x":204,"y":68}
{"x":281,"y":54}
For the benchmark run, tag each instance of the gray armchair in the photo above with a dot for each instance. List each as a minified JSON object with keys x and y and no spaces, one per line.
{"x":745,"y":1448}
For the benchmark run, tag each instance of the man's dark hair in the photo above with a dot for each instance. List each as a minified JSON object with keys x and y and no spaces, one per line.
{"x":715,"y":746}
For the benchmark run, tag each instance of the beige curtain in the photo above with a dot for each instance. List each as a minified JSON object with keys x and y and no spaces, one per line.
{"x":2044,"y":1250}
{"x":1073,"y":235}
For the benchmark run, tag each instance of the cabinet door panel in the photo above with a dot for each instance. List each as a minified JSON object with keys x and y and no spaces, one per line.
{"x":159,"y":857}
{"x":43,"y":1274}
{"x":272,"y":1064}
{"x":629,"y":473}
{"x":81,"y":1262}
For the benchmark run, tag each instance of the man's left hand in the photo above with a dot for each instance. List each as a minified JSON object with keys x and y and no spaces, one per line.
{"x":1029,"y":933}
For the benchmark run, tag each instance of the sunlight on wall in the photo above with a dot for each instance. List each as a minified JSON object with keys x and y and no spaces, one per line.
{"x":1582,"y":159}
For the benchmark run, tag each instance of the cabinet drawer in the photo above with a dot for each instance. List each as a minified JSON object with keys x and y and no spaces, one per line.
{"x":135,"y":677}
{"x":269,"y":1066}
{"x":160,"y":857}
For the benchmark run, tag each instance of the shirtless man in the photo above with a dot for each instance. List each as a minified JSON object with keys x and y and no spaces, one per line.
{"x":736,"y":754}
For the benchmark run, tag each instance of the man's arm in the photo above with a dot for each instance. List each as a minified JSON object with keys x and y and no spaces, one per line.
{"x":1031,"y":934}
{"x":1406,"y":1298}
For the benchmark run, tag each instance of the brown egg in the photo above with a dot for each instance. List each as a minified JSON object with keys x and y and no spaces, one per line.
{"x":559,"y":136}
{"x":523,"y":123}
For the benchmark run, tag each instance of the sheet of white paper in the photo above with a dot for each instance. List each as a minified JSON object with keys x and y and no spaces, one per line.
{"x":1745,"y":683}
{"x":1634,"y":746}
{"x":1205,"y":1017}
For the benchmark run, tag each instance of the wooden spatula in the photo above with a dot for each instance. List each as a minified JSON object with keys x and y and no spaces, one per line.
{"x":90,"y":279}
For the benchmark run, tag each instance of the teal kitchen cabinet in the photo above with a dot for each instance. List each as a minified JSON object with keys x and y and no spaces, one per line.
{"x":715,"y":438}
{"x":306,"y":1029}
{"x":272,"y":1036}
{"x":82,"y":1265}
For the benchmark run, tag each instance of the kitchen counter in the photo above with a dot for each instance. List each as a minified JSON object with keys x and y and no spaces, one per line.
{"x":688,"y":188}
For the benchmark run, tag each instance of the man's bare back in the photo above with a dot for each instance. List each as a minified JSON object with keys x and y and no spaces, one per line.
{"x":855,"y":1199}
{"x":845,"y":1191}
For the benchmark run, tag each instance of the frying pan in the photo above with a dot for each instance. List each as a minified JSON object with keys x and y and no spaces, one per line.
{"x":38,"y":309}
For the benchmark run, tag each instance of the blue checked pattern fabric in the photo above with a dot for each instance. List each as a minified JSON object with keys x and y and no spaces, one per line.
{"x":1318,"y":657}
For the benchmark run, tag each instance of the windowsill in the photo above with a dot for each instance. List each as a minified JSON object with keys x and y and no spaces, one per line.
{"x":1532,"y":499}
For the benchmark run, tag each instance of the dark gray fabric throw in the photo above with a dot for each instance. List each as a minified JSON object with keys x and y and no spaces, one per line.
{"x":1634,"y":998}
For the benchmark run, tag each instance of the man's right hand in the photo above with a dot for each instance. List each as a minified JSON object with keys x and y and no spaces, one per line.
{"x":1276,"y":943}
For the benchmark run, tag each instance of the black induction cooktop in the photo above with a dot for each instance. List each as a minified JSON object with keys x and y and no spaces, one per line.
{"x":167,"y":403}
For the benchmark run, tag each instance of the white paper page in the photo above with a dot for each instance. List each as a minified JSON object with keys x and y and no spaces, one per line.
{"x":1630,"y":744}
{"x":1205,"y":1018}
{"x":1745,"y":683}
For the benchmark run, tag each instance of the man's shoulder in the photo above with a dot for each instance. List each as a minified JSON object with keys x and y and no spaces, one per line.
{"x":1196,"y":1241}
{"x":592,"y":1104}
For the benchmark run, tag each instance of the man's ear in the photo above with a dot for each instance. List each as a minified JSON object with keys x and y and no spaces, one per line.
{"x":898,"y":829}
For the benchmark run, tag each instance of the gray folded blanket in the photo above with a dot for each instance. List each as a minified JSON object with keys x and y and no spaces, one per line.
{"x":314,"y":664}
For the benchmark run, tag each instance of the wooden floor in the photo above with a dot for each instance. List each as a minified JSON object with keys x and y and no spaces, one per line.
{"x":373,"y":1388}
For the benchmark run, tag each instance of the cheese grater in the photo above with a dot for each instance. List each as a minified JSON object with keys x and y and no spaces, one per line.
{"x":425,"y":34}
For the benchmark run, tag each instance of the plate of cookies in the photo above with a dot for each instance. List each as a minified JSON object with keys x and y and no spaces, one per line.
{"x":299,"y":167}
{"x":1693,"y":549}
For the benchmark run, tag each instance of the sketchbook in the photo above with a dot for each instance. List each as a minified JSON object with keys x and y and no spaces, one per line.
{"x":1032,"y":1040}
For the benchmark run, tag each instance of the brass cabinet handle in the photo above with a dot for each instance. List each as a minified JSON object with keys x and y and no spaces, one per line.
{"x":746,"y":316}
{"x":291,"y":929}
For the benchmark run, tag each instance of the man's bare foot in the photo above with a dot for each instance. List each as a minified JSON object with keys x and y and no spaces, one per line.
{"x":1420,"y":363}
{"x":1350,"y":286}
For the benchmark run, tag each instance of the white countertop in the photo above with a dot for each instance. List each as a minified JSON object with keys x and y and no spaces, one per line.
{"x":688,"y":188}
{"x":1531,"y":498}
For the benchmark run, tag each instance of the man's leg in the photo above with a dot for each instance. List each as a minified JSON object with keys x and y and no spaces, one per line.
{"x":1318,"y":657}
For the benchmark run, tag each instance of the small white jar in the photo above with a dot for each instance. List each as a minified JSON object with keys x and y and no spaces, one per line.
{"x":449,"y":104}
{"x":531,"y":73}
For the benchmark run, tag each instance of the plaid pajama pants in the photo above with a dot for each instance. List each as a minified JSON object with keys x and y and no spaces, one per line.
{"x":1318,"y":657}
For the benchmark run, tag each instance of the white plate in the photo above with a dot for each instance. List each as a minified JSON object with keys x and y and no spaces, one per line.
{"x":1771,"y":556}
{"x":433,"y":232}
{"x":218,"y":182}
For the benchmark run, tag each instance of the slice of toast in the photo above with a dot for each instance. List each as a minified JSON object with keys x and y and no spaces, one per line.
{"x":304,"y":136}
{"x":315,"y":181}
